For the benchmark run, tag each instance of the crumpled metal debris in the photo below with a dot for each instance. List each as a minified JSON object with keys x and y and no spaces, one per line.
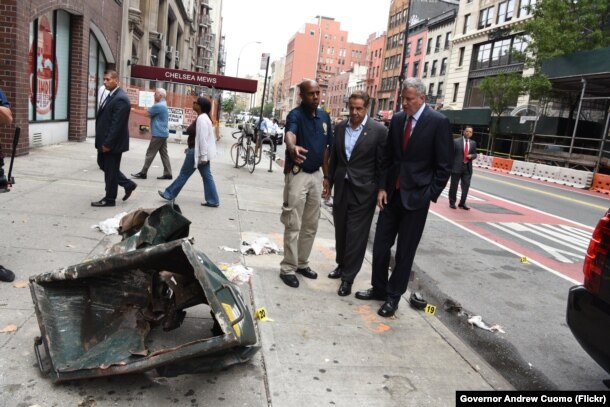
{"x":111,"y":315}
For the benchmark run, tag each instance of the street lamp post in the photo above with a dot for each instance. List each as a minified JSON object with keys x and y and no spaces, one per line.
{"x":238,"y":58}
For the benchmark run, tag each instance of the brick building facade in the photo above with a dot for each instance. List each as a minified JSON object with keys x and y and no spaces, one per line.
{"x":49,"y":85}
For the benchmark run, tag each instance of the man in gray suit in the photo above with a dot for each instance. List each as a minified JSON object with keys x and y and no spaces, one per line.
{"x":112,"y":139}
{"x":354,"y":168}
{"x":464,"y":151}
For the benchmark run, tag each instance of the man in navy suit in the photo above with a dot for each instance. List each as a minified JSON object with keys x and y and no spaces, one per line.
{"x":112,"y":139}
{"x":465,"y":150}
{"x":355,"y":160}
{"x":415,"y":167}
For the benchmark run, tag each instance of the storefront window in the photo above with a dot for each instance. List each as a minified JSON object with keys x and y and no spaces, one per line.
{"x":97,"y":66}
{"x":49,"y":66}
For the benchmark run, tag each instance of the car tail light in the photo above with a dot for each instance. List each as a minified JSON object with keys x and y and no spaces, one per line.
{"x":597,"y":255}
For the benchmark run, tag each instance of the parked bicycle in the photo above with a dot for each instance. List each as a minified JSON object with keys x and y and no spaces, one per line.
{"x":242,"y":151}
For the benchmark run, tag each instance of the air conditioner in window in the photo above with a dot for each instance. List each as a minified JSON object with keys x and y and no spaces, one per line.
{"x":170,"y":52}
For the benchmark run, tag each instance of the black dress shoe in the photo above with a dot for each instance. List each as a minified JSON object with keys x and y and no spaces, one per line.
{"x":164,"y":177}
{"x":345,"y":288}
{"x":139,"y":175}
{"x":463,"y":206}
{"x":336,"y":273}
{"x":103,"y":202}
{"x":370,"y":294}
{"x":452,"y":206}
{"x":388,"y":309}
{"x":290,"y":280}
{"x":128,"y":192}
{"x":6,"y":275}
{"x":307,"y":272}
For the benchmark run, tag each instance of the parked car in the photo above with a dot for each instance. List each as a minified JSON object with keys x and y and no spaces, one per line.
{"x":588,"y":313}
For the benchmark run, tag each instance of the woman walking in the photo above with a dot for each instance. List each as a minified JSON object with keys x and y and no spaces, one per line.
{"x":201,"y":148}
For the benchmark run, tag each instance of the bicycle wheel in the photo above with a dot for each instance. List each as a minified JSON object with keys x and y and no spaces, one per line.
{"x":234,"y":153}
{"x":259,"y":150}
{"x":242,"y":156}
{"x":251,"y":159}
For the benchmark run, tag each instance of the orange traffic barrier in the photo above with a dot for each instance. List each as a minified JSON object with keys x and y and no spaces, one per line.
{"x":601,"y":183}
{"x":501,"y":164}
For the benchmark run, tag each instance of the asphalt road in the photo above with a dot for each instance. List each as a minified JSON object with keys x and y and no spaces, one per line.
{"x":475,"y":259}
{"x":537,"y":350}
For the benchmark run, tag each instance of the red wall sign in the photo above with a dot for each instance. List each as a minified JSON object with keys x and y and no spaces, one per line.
{"x":194,"y":78}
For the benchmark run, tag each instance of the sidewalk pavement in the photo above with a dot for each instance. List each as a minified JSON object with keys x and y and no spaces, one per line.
{"x":320,"y":348}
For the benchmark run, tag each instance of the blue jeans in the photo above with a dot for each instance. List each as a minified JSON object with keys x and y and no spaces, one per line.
{"x":188,"y":168}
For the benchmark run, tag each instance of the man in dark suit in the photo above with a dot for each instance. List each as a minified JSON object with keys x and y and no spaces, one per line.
{"x":415,"y":167}
{"x":354,"y":168}
{"x":112,"y":139}
{"x":465,"y":150}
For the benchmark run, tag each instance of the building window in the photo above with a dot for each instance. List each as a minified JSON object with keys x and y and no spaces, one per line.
{"x":433,"y":70}
{"x":505,"y":11}
{"x":415,"y":73}
{"x":456,"y":87}
{"x":527,"y":7}
{"x":408,"y":48}
{"x":448,"y":40}
{"x":418,"y":46}
{"x":486,"y":17}
{"x":466,"y":23}
{"x":424,"y":73}
{"x":430,"y":89}
{"x":437,"y":47}
{"x":443,"y":66}
{"x":499,"y":53}
{"x":439,"y":89}
{"x":461,"y":56}
{"x":429,"y":48}
{"x":49,"y":66}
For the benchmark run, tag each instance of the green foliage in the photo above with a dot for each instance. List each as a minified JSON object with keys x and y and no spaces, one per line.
{"x":502,"y":91}
{"x":268,"y":109}
{"x":228,"y":105}
{"x":562,"y":27}
{"x":537,"y":85}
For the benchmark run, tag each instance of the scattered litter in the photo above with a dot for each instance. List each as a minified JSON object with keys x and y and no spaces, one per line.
{"x":110,"y":226}
{"x":478,"y":321}
{"x":8,"y":329}
{"x":260,"y":245}
{"x":228,"y":249}
{"x":236,"y":272}
{"x":70,"y":246}
{"x":20,"y":284}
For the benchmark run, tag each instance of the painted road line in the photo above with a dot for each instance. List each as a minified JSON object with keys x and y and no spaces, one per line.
{"x":541,"y":192}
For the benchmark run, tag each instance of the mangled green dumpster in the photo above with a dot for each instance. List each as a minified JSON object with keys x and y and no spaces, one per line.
{"x":149,"y":305}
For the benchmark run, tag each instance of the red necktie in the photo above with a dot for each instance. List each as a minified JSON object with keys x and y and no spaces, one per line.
{"x":405,"y":141}
{"x":407,"y":135}
{"x":466,"y":144}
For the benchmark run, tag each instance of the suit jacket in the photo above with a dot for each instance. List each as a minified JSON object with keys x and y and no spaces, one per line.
{"x":363,"y":167}
{"x":458,"y":157}
{"x":425,"y":166}
{"x":112,"y":123}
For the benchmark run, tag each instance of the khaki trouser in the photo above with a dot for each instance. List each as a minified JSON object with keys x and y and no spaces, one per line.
{"x":300,"y":215}
{"x":157,"y":144}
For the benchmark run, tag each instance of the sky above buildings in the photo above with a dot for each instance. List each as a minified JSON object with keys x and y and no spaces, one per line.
{"x":274,"y":22}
